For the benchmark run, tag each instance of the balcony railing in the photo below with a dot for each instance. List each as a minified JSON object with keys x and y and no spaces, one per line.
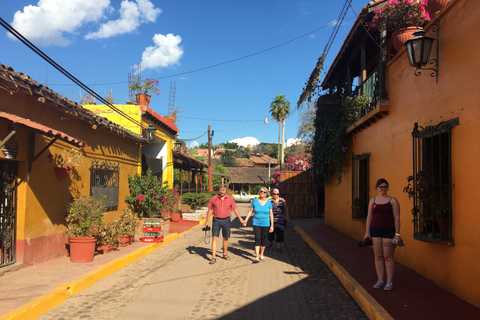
{"x":369,"y":87}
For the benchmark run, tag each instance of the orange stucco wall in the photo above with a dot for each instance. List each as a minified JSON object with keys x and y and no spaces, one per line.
{"x":420,"y":99}
{"x":42,"y":198}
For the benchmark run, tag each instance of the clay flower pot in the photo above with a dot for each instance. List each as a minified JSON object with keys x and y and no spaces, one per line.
{"x":105,"y":248}
{"x":401,"y":36}
{"x":433,"y":6}
{"x":82,"y":249}
{"x":62,"y":172}
{"x":143,"y":99}
{"x":124,"y":241}
{"x":175,"y":217}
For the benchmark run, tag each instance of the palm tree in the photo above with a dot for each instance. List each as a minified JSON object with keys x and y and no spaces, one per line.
{"x":280,"y":109}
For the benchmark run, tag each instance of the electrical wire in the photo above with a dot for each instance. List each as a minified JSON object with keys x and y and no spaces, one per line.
{"x":39,"y":52}
{"x":220,"y":63}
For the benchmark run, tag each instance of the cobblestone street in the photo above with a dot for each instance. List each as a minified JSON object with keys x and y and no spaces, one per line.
{"x":176,"y":282}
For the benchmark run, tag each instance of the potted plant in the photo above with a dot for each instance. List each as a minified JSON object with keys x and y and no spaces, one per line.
{"x":145,"y":90}
{"x":66,"y":160}
{"x":434,"y":199}
{"x":84,"y":220}
{"x":195,"y":200}
{"x":127,"y":225}
{"x":402,"y":17}
{"x":172,"y":117}
{"x":108,"y":238}
{"x":147,"y":196}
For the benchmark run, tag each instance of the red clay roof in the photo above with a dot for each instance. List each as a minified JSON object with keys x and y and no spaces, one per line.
{"x":14,"y":81}
{"x":42,"y":129}
{"x":243,"y":162}
{"x":159,"y":119}
{"x":263,"y":159}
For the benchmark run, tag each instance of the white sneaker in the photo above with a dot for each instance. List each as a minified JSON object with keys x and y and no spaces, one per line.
{"x":379,"y":284}
{"x":389,"y":286}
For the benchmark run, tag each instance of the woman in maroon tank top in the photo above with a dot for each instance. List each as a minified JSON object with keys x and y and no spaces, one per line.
{"x":383,"y":226}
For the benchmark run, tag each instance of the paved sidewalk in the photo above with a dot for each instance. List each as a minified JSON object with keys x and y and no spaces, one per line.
{"x":414,"y":296}
{"x":294,"y":284}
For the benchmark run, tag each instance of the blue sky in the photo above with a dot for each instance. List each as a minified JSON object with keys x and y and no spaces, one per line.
{"x":98,"y":41}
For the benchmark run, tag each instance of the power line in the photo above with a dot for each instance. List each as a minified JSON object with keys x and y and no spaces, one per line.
{"x":39,"y":52}
{"x":220,"y":63}
{"x":236,"y":120}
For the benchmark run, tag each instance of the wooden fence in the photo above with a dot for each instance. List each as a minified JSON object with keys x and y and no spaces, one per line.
{"x":300,"y":193}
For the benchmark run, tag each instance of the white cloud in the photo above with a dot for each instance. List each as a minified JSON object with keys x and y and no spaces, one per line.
{"x":132,"y":15}
{"x":166,"y":52}
{"x":246,"y":141}
{"x":292,"y":141}
{"x":49,"y":21}
{"x":194,"y":144}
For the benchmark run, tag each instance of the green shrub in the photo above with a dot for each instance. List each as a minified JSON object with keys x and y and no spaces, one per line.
{"x":195,"y":200}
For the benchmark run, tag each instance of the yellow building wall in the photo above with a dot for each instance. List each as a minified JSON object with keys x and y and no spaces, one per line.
{"x":42,"y":198}
{"x":134,"y":112}
{"x":420,"y":99}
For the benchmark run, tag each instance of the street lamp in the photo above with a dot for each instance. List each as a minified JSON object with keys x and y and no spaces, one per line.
{"x":150,"y":131}
{"x":418,"y":52}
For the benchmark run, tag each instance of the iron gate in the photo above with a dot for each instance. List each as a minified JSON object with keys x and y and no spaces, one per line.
{"x":8,"y":212}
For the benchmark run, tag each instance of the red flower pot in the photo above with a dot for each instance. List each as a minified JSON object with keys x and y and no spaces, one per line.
{"x":105,"y":248}
{"x":401,"y":36}
{"x":124,"y":241}
{"x":62,"y":173}
{"x":433,"y":6}
{"x":82,"y":249}
{"x":143,"y":99}
{"x":175,"y":217}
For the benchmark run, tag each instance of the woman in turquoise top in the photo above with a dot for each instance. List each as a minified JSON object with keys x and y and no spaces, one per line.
{"x":262,"y":222}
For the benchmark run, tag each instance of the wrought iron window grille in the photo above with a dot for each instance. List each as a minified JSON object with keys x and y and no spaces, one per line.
{"x":104,"y":180}
{"x":360,"y":185}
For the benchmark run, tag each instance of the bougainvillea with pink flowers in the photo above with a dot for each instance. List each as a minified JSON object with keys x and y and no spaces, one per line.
{"x":398,"y":14}
{"x":301,"y":162}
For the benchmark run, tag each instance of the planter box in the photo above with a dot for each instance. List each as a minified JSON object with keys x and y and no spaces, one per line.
{"x":153,"y":240}
{"x":192,"y":216}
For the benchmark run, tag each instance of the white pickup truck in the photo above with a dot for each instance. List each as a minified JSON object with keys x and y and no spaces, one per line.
{"x":243,"y":197}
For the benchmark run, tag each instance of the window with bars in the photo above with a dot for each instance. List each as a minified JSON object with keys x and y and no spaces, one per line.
{"x":104,"y":177}
{"x":360,"y":178}
{"x":431,"y":182}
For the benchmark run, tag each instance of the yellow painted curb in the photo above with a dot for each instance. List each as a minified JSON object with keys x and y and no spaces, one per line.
{"x":46,"y":302}
{"x":367,"y":303}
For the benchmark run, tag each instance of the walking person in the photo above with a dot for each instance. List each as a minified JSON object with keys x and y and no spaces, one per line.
{"x":220,"y":206}
{"x":262,"y":222}
{"x":383,"y":225}
{"x":280,"y":219}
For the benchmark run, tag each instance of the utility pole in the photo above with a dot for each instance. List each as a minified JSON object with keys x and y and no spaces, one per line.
{"x":210,"y":187}
{"x":269,"y":171}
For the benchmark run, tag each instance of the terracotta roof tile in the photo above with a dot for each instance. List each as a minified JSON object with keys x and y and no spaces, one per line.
{"x":42,"y":129}
{"x":249,"y":175}
{"x":15,"y":81}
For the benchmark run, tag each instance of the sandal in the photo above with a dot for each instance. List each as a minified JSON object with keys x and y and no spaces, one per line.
{"x":280,"y":250}
{"x":262,"y":258}
{"x":256,"y":260}
{"x":226,"y":257}
{"x":213,"y":261}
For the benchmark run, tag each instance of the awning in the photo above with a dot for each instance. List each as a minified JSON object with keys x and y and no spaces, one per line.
{"x":42,"y":129}
{"x":186,"y":162}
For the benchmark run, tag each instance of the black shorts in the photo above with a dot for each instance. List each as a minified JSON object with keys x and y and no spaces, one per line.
{"x":379,"y":232}
{"x":223,"y":224}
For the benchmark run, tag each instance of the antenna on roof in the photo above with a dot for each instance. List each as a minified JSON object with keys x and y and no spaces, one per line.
{"x":136,"y":72}
{"x":171,"y":98}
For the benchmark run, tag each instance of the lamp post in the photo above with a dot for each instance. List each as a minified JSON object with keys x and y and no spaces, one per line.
{"x":210,"y":135}
{"x":418,"y":52}
{"x":151,"y":133}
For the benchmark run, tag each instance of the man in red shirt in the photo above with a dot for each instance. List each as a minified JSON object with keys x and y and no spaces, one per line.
{"x":220,"y":206}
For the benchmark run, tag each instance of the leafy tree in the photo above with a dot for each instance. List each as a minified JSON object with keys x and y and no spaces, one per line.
{"x":229,"y":145}
{"x":280,"y":109}
{"x":271,"y":150}
{"x":307,"y":120}
{"x":243,"y":152}
{"x":203,"y":145}
{"x":228,"y":159}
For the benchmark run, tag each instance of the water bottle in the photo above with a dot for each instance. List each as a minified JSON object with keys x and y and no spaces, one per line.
{"x":395,"y":241}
